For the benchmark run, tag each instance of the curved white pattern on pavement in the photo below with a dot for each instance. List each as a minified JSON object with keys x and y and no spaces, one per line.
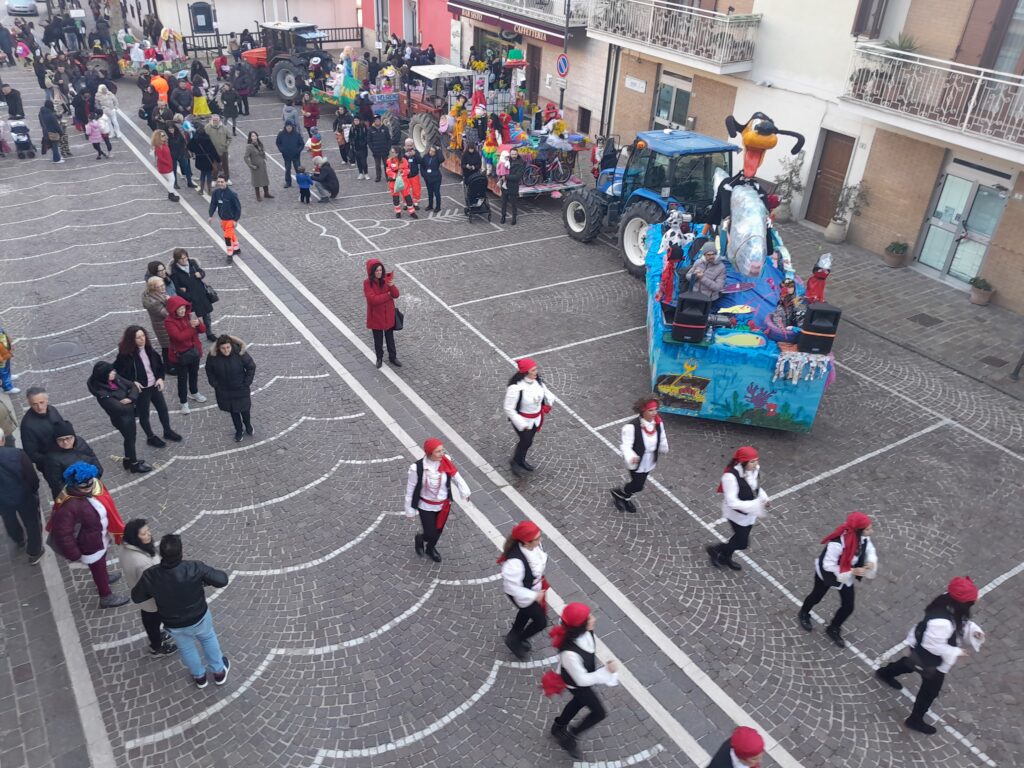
{"x":323,"y":232}
{"x":412,"y":738}
{"x":243,"y":317}
{"x":91,"y":226}
{"x":83,"y":210}
{"x":639,"y":757}
{"x":97,"y":263}
{"x":95,"y":178}
{"x":83,"y":325}
{"x":200,"y":717}
{"x":273,"y":343}
{"x":63,"y":367}
{"x":75,"y":194}
{"x":72,"y":295}
{"x":249,"y":447}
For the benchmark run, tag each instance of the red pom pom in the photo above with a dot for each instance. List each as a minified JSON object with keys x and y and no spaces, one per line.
{"x":557,"y":633}
{"x":552,"y":683}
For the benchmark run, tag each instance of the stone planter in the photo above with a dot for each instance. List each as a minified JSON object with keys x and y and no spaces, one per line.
{"x":783,"y":213}
{"x":981,"y":297}
{"x":896,"y":260}
{"x":835,"y":232}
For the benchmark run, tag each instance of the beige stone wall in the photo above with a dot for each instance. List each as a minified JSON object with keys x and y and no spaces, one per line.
{"x":1004,"y":262}
{"x":741,"y":7}
{"x":711,"y":102}
{"x":900,"y":175}
{"x":937,"y":26}
{"x":633,"y":109}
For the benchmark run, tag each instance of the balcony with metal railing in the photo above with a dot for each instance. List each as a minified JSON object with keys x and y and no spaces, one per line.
{"x":550,"y":11}
{"x":969,"y":106}
{"x":714,"y":42}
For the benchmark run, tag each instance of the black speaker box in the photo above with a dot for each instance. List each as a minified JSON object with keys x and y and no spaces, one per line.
{"x":821,"y":323}
{"x":691,"y":320}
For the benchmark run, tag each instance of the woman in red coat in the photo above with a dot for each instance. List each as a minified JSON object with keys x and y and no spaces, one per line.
{"x":380,"y":292}
{"x":185,"y":349}
{"x":164,"y":161}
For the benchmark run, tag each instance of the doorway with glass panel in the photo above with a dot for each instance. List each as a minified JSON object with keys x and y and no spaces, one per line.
{"x":966,"y":209}
{"x":673,"y":101}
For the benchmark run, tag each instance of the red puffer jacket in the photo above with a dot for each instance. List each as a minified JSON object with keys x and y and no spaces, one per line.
{"x":77,"y":511}
{"x":180,"y":331}
{"x":380,"y":300}
{"x":164,"y":163}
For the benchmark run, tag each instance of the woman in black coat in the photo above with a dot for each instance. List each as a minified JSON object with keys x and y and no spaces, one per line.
{"x":206,"y":155}
{"x":142,"y":365}
{"x":230,"y":371}
{"x":117,"y":396}
{"x":188,"y":276}
{"x":150,"y":101}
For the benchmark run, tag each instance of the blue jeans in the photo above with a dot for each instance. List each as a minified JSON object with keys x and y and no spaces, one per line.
{"x":201,"y":632}
{"x":289,"y":165}
{"x":5,"y":376}
{"x":55,"y":148}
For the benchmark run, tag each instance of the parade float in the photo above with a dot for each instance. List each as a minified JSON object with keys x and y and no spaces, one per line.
{"x":760,"y":354}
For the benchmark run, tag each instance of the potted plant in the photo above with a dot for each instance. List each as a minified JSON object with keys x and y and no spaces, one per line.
{"x":896,"y":254}
{"x":981,"y":290}
{"x":787,"y":184}
{"x":850,"y":201}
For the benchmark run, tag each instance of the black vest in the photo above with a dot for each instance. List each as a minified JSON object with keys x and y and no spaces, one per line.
{"x":589,"y":663}
{"x":516,"y":553}
{"x":638,"y":440}
{"x":858,"y":562}
{"x":419,"y":485}
{"x":925,"y":657}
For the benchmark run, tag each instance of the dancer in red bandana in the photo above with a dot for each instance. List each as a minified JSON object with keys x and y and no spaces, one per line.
{"x":429,"y":494}
{"x":523,"y":561}
{"x":643,"y":441}
{"x":848,"y":556}
{"x":744,"y":748}
{"x":527,"y":401}
{"x":936,"y":642}
{"x":743,"y":502}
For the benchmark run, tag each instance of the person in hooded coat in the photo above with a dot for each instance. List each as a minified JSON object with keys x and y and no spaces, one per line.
{"x":289,"y":144}
{"x":188,"y":278}
{"x":116,"y":395}
{"x":185,"y":349}
{"x":68,"y":448}
{"x":206,"y":156}
{"x":231,"y":370}
{"x":380,"y":291}
{"x":52,"y":130}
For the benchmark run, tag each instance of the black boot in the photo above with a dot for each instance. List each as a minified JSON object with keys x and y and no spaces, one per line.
{"x":805,"y":621}
{"x":419,"y":544}
{"x":394,"y":361}
{"x":516,"y":646}
{"x":380,"y":360}
{"x":140,"y":467}
{"x":434,"y":555}
{"x":892,"y":682}
{"x":918,"y":724}
{"x":173,"y":197}
{"x":716,"y":559}
{"x":835,"y":636}
{"x":566,"y":741}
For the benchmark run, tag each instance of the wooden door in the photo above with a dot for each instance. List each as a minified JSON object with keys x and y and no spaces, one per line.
{"x":836,"y":151}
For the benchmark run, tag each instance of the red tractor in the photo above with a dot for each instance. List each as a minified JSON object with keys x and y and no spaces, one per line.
{"x":286,"y":56}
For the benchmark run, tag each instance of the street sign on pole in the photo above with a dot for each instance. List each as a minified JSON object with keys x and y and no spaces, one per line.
{"x":560,"y":82}
{"x":562,"y":65}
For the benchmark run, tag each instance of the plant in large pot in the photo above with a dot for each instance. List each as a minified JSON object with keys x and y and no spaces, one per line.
{"x":850,"y":201}
{"x":896,"y":254}
{"x":981,"y":290}
{"x":787,"y":184}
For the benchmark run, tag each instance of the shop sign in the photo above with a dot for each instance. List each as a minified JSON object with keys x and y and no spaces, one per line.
{"x":531,"y":32}
{"x":636,"y":84}
{"x":459,"y":11}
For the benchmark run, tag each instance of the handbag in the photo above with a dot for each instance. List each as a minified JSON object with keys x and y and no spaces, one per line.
{"x":399,"y":320}
{"x":143,"y":114}
{"x":188,"y":357}
{"x":399,"y":183}
{"x":211,"y":293}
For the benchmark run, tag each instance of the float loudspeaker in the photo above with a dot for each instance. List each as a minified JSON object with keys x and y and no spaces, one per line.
{"x":821,"y":322}
{"x":691,"y":320}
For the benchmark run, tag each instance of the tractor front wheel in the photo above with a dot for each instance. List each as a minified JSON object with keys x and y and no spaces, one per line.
{"x":583,"y":213}
{"x":285,"y":78}
{"x":633,"y":226}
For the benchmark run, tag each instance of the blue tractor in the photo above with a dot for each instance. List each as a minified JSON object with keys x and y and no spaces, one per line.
{"x":659,"y":171}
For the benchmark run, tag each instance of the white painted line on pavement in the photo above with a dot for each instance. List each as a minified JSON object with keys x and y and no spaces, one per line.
{"x":83,"y":325}
{"x":347,"y":223}
{"x":932,"y":411}
{"x":245,"y":317}
{"x":55,"y":183}
{"x":72,"y":295}
{"x":94,"y":264}
{"x":623,"y":420}
{"x":538,"y":288}
{"x":90,"y":226}
{"x":583,"y":341}
{"x":85,"y":210}
{"x":860,"y":460}
{"x":8,"y":206}
{"x":475,"y":251}
{"x":19,"y":374}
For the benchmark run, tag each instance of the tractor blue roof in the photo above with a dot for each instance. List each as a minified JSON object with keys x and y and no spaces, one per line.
{"x":674,"y":143}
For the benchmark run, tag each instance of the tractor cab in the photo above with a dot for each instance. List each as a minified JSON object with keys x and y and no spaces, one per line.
{"x":284,"y":36}
{"x":285,"y":56}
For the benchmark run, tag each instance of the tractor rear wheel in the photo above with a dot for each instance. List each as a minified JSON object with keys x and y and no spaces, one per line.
{"x":583,"y":213}
{"x":389,"y":120}
{"x":424,"y":132}
{"x":285,"y":78}
{"x":633,"y":226}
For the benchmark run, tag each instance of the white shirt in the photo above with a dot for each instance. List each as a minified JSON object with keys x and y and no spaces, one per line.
{"x":834,"y":549}
{"x":572,"y":663}
{"x":650,"y":442}
{"x":733,"y":507}
{"x":936,"y":640}
{"x":535,"y":394}
{"x":434,"y":492}
{"x":102,"y":512}
{"x":513,"y":571}
{"x":735,"y":760}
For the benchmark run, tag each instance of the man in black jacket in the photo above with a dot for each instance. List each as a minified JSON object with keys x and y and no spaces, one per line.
{"x":67,"y":449}
{"x":325,"y":179}
{"x":380,"y":145}
{"x":289,"y":144}
{"x":19,"y":502}
{"x":38,"y":425}
{"x":177,"y":586}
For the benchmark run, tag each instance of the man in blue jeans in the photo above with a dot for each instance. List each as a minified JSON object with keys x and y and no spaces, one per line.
{"x":177,"y":586}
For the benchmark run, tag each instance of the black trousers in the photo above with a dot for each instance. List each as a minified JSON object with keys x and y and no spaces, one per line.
{"x":740,"y":539}
{"x":156,"y":397}
{"x":821,"y":589}
{"x":582,"y":697}
{"x":23,"y":524}
{"x":378,"y":165}
{"x":635,"y":484}
{"x":151,"y":622}
{"x":128,"y":432}
{"x":241,"y":419}
{"x":529,"y":621}
{"x":361,"y":165}
{"x":188,"y":380}
{"x":434,"y":194}
{"x":931,"y":683}
{"x":506,"y":198}
{"x":379,"y":337}
{"x":431,"y":533}
{"x":245,"y":104}
{"x":523,"y":446}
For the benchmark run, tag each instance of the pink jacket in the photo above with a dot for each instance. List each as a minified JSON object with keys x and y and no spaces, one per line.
{"x":93,"y":132}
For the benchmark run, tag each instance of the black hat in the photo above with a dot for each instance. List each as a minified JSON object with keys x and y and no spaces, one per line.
{"x":63,"y":429}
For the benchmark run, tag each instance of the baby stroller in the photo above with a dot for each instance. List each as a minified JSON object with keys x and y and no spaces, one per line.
{"x":22,"y":140}
{"x":476,"y":196}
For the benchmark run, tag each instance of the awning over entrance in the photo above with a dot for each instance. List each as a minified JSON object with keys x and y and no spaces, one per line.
{"x":528,"y":28}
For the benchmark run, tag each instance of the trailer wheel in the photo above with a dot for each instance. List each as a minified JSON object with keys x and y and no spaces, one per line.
{"x":633,"y":226}
{"x":424,"y":131}
{"x":583,"y":213}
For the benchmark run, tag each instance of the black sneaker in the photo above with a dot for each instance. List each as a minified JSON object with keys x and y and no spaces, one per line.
{"x":835,"y":636}
{"x":515,"y":646}
{"x":805,"y":621}
{"x":892,"y":682}
{"x":155,"y":441}
{"x":617,"y":499}
{"x":920,"y":726}
{"x":222,"y":677}
{"x":249,"y":430}
{"x":164,"y":650}
{"x":418,"y":543}
{"x":712,"y":550}
{"x":434,"y":555}
{"x":173,"y":436}
{"x":201,"y":682}
{"x":34,"y":559}
{"x":238,"y":436}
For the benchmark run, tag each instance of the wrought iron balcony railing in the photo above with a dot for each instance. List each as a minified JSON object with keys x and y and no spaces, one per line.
{"x":681,"y":31}
{"x":551,"y":11}
{"x":975,"y":101}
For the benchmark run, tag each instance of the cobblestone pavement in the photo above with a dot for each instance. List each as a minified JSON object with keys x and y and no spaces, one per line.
{"x":347,"y":649}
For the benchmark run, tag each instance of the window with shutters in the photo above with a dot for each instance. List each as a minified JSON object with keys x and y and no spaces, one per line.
{"x":868,"y":20}
{"x":1011,"y":51}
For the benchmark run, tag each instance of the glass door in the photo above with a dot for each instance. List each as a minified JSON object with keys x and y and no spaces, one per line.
{"x":673,"y":102}
{"x":961,"y":226}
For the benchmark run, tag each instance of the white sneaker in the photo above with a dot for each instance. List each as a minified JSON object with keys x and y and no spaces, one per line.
{"x":12,"y":391}
{"x":199,"y":397}
{"x":185,"y":409}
